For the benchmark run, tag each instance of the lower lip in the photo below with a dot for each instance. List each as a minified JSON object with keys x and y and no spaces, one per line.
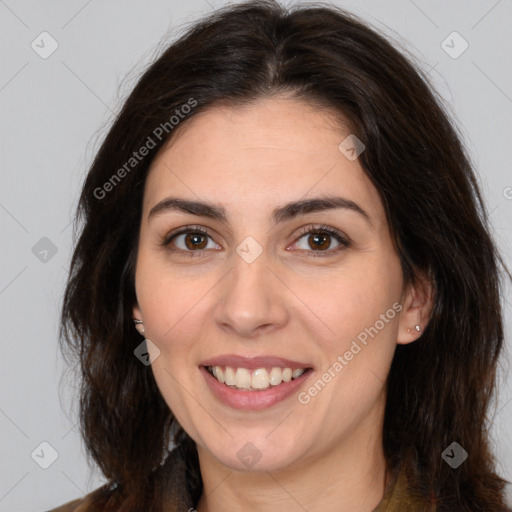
{"x":253,"y":400}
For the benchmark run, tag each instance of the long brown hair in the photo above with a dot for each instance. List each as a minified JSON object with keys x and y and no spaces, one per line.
{"x":439,"y":387}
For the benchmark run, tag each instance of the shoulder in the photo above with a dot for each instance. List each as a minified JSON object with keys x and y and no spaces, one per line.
{"x":169,"y":487}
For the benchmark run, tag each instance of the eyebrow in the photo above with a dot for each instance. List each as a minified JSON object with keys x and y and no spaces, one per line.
{"x":280,"y":214}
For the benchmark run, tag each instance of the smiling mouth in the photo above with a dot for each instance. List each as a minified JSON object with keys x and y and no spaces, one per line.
{"x":259,"y":379}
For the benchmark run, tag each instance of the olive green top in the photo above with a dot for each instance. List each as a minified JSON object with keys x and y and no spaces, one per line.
{"x":176,"y":499}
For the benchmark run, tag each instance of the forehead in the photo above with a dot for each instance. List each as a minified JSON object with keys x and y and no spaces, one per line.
{"x":268,"y":152}
{"x":278,"y":124}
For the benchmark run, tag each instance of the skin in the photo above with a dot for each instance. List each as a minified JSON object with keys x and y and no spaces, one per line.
{"x":250,"y":160}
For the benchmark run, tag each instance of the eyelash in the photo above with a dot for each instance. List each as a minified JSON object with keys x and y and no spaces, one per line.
{"x":319,"y":229}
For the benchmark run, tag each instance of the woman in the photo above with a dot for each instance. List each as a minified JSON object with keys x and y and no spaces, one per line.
{"x":284,"y":293}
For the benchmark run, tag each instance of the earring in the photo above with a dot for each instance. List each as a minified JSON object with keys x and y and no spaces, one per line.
{"x":139,"y":326}
{"x":417,"y":328}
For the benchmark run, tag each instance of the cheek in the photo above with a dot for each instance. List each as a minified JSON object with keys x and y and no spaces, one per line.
{"x":168,"y":298}
{"x":361,"y":311}
{"x":355,"y":298}
{"x":173,"y":311}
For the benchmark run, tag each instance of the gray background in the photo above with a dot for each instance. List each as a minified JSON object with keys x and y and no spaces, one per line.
{"x":53,"y":114}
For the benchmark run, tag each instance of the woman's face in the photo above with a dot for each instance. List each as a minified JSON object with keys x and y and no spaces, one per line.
{"x":257,"y":296}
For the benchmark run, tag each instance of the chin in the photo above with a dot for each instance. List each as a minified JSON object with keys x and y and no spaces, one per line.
{"x":258,"y":453}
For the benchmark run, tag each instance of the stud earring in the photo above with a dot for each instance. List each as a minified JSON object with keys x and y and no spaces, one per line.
{"x":139,"y":326}
{"x":417,"y":328}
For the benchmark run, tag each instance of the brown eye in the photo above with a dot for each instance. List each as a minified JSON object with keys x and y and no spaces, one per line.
{"x":195,"y":241}
{"x":189,"y":241}
{"x":319,"y":240}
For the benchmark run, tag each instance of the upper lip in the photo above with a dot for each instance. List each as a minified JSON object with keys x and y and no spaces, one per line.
{"x":252,"y":363}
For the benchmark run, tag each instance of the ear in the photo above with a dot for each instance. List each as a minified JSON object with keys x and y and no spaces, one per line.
{"x":416,"y":311}
{"x":137,"y":315}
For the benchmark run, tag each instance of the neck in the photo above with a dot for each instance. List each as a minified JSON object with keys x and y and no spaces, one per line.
{"x":351,"y":476}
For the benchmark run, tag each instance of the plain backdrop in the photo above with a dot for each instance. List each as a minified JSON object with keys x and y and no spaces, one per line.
{"x":65,"y":68}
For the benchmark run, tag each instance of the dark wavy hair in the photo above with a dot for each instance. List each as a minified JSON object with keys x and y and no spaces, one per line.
{"x":439,"y":387}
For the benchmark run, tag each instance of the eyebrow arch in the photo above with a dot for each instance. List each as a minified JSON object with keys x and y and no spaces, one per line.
{"x":280,"y":214}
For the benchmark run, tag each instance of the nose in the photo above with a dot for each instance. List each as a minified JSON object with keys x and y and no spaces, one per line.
{"x":252,"y":300}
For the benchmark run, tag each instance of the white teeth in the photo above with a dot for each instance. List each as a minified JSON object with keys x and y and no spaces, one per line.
{"x":229,"y":375}
{"x":297,"y":372}
{"x":219,"y":374}
{"x":259,"y":379}
{"x":243,"y":378}
{"x":276,"y":376}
